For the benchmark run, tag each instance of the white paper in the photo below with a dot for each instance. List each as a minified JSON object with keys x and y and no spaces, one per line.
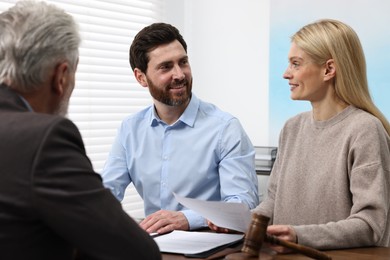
{"x":231,"y":215}
{"x":191,"y":242}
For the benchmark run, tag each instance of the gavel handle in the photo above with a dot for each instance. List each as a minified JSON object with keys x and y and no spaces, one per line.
{"x":308,"y":251}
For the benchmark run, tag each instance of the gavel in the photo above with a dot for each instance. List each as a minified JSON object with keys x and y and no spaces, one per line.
{"x":257,"y":234}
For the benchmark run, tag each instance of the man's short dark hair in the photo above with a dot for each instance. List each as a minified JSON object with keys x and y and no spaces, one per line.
{"x":150,"y":38}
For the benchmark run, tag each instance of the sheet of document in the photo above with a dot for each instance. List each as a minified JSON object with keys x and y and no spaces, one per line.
{"x":191,"y":242}
{"x":236,"y":216}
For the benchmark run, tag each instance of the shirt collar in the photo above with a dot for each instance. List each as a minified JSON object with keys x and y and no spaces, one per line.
{"x":26,"y":103}
{"x":188,"y":116}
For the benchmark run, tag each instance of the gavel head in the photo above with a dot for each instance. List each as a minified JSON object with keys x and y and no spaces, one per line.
{"x":256,"y":234}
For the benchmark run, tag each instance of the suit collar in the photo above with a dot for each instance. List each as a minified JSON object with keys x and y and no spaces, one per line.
{"x":10,"y":100}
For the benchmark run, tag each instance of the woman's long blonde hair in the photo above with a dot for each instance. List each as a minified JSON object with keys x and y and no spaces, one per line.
{"x":331,"y":39}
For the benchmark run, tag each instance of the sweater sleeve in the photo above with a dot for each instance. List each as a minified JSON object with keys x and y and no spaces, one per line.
{"x":369,"y":177}
{"x":367,"y":223}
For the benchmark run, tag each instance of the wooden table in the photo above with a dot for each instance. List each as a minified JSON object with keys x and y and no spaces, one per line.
{"x":369,"y":253}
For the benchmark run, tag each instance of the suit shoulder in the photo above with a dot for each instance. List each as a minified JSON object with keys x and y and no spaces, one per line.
{"x":46,"y":121}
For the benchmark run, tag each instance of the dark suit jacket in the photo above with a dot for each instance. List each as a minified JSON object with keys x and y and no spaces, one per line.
{"x":51,"y":200}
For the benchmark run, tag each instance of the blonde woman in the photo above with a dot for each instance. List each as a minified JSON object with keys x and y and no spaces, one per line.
{"x":329,"y":187}
{"x":330,"y":184}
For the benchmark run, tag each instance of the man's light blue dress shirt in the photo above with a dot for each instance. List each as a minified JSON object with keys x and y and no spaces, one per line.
{"x":206,"y":155}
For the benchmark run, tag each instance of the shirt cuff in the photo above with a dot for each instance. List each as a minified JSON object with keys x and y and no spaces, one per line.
{"x":195,"y":221}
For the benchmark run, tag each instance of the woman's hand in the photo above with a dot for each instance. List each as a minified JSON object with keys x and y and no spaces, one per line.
{"x":283,"y":232}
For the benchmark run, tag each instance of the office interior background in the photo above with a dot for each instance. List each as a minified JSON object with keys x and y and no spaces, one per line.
{"x":238,"y":53}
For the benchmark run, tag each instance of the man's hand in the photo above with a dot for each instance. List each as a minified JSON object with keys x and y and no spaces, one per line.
{"x":164,"y":221}
{"x":283,"y":232}
{"x":221,"y":230}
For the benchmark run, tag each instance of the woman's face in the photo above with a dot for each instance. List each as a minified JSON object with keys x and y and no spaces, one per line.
{"x":306,"y":79}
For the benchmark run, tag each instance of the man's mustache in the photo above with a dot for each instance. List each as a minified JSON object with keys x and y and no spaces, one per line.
{"x":178,"y":83}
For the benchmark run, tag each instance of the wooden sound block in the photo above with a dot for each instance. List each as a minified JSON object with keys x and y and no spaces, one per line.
{"x":265,"y":254}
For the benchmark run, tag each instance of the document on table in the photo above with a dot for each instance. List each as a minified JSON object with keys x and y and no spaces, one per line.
{"x":192,"y":242}
{"x":231,"y":215}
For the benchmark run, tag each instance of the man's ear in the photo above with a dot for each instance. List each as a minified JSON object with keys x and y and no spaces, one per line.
{"x":330,"y":70}
{"x":60,"y":78}
{"x":140,"y":77}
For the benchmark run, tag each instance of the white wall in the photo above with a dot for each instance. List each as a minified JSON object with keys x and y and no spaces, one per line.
{"x":228,"y":47}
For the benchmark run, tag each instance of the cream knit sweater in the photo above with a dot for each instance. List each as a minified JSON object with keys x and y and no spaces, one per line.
{"x":331,"y":181}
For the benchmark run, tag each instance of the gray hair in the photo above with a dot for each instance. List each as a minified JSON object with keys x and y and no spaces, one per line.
{"x":34,"y":38}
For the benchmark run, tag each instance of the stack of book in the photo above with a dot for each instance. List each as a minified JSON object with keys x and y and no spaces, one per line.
{"x":264,"y":159}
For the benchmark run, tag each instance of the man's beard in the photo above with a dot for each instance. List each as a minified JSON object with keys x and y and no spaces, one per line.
{"x":164,"y":96}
